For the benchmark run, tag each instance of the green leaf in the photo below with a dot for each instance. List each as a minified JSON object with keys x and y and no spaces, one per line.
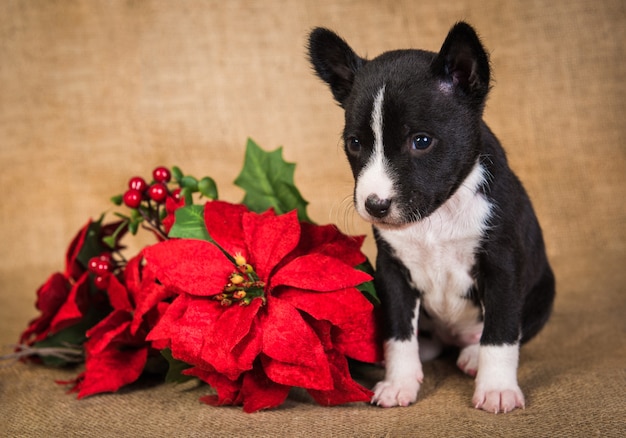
{"x":176,"y":368}
{"x":368,"y":289}
{"x":117,"y":200}
{"x":73,"y":335}
{"x":91,"y":245}
{"x":177,"y":173}
{"x":189,"y":223}
{"x":268,"y":181}
{"x":189,"y":182}
{"x":133,"y":226}
{"x":186,"y":193}
{"x":111,"y":241}
{"x":208,"y":188}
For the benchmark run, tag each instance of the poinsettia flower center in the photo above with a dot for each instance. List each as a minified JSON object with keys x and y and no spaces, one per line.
{"x":243,"y":285}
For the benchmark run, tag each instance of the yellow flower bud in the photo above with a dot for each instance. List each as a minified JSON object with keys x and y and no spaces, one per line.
{"x":236,"y":279}
{"x":239,"y":259}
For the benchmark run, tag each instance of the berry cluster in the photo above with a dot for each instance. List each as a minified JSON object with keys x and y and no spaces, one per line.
{"x":138,"y":189}
{"x":148,"y":202}
{"x":102,"y":267}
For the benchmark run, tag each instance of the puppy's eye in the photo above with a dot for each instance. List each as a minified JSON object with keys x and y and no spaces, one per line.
{"x":421,"y":142}
{"x":353,"y":145}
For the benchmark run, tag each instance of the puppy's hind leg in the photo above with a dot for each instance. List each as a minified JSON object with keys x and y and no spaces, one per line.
{"x":468,"y":360}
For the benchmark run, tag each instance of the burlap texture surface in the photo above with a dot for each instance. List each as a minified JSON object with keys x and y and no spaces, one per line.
{"x":94,"y":92}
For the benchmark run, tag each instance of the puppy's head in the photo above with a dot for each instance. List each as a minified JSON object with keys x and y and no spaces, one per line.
{"x":412,"y":120}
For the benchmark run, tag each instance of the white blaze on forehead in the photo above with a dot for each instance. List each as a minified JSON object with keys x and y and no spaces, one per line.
{"x":377,"y":120}
{"x":374,"y":179}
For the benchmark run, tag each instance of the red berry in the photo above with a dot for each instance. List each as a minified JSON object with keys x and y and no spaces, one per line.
{"x":176,"y":195}
{"x":157,"y":192}
{"x":99,"y":265}
{"x":101,"y":281}
{"x":103,"y":267}
{"x":132,"y":198}
{"x":106,"y":256}
{"x":92,"y":265}
{"x":138,"y":183}
{"x":162,"y":174}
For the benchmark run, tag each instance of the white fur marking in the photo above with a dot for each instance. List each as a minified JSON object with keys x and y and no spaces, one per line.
{"x":496,"y":382}
{"x":375,"y":178}
{"x":403,"y":371}
{"x":377,"y":121}
{"x":439,"y":252}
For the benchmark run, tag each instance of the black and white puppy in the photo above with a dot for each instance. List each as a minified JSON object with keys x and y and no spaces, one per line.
{"x":459,"y":245}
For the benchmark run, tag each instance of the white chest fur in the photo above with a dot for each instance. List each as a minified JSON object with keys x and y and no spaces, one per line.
{"x":439,"y":252}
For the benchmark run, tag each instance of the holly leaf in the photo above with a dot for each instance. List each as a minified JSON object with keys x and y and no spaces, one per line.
{"x":189,"y":223}
{"x":268,"y":181}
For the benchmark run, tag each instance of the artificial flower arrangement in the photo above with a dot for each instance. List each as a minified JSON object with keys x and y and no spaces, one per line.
{"x":251,"y":298}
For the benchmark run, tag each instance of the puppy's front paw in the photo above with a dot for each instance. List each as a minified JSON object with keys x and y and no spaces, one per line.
{"x":498,"y":400}
{"x":396,"y":393}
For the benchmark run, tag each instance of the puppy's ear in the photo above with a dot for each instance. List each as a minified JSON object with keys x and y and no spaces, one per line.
{"x":334,"y":62}
{"x":463,"y":63}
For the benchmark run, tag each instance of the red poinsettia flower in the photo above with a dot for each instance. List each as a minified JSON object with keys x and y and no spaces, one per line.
{"x":272,"y":305}
{"x":63,"y":298}
{"x":116,"y":350}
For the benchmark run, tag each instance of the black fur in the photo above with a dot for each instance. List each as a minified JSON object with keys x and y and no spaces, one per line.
{"x":416,"y":117}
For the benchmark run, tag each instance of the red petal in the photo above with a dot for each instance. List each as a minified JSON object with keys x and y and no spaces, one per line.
{"x":223,"y":222}
{"x":353,"y":316}
{"x":118,"y":295}
{"x":111,"y":369}
{"x":328,"y":240}
{"x":227,"y":389}
{"x":294,"y":353}
{"x":248,"y":349}
{"x":319,"y":273}
{"x":73,"y":309}
{"x":360,"y":342}
{"x":339,"y":307}
{"x":259,"y":392}
{"x":192,"y":266}
{"x":146,"y":292}
{"x":171,"y":205}
{"x":111,"y":330}
{"x":269,"y":239}
{"x":50,"y":297}
{"x":183,"y":325}
{"x":133,"y":277}
{"x":345,"y":389}
{"x":73,"y":269}
{"x":228,"y":328}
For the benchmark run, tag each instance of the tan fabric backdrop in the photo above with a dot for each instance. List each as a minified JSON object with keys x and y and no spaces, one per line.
{"x":93,"y":92}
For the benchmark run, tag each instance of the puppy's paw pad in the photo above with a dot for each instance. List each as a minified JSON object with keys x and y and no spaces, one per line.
{"x":389,"y":393}
{"x":501,"y":400}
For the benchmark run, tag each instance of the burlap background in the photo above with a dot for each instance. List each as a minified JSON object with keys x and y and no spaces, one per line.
{"x":93,"y":92}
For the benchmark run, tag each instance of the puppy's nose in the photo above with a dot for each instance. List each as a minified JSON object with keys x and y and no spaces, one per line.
{"x":377,"y":207}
